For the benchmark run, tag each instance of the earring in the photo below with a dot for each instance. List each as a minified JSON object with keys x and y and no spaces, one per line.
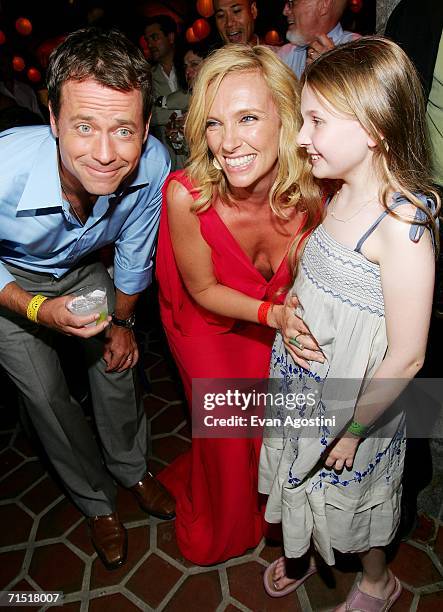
{"x":216,"y":163}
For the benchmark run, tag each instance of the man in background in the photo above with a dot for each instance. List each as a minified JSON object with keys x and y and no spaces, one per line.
{"x":313,"y":28}
{"x":161,"y":37}
{"x":235,"y":21}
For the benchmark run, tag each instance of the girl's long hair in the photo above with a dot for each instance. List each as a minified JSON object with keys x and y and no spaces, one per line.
{"x":373,"y":81}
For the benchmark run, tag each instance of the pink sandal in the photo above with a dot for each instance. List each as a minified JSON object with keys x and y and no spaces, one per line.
{"x":268,"y":581}
{"x":359,"y":601}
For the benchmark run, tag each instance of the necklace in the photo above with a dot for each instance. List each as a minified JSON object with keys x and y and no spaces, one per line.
{"x":354,"y":214}
{"x":71,"y":206}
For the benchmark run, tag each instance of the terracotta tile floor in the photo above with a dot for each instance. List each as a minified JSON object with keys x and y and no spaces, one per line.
{"x":44,"y":544}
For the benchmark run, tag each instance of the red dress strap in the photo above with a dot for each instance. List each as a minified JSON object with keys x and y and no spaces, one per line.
{"x":187,"y":316}
{"x":181,"y":176}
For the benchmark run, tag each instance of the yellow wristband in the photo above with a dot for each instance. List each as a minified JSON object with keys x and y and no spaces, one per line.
{"x":33,"y":306}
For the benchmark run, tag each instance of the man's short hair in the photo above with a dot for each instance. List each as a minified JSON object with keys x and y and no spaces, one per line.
{"x":167,"y":24}
{"x":108,"y":57}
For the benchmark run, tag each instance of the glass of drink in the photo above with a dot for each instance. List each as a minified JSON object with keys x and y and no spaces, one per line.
{"x":90,"y":300}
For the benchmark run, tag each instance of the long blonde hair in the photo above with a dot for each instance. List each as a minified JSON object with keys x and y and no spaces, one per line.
{"x":294,"y":185}
{"x":373,"y":81}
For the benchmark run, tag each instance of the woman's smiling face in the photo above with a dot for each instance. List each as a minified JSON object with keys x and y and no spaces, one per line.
{"x":243,"y":130}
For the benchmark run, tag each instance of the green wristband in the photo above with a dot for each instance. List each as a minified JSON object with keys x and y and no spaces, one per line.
{"x":357,"y":429}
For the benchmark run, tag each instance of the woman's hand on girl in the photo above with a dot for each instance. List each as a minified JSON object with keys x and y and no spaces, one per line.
{"x":296,"y":335}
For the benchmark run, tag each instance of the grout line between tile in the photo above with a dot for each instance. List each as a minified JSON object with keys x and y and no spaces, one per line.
{"x":16,"y":468}
{"x":224,"y":583}
{"x":136,"y":600}
{"x":303,"y":599}
{"x":239,"y":605}
{"x":414,"y":603}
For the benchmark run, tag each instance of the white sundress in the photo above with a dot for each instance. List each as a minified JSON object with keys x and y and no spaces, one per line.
{"x":341,"y":301}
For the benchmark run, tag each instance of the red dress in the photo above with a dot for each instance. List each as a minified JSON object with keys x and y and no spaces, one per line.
{"x":215,"y":484}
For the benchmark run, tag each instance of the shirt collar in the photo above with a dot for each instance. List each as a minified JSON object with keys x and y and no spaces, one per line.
{"x":42,"y":189}
{"x":336,"y":34}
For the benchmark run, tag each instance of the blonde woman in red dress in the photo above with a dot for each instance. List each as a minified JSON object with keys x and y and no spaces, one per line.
{"x":228,"y":222}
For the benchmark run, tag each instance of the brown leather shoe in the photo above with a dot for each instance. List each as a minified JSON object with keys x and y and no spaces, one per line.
{"x":154,"y":498}
{"x":109,"y":538}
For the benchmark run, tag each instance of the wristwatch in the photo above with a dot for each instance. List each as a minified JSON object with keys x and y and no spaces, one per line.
{"x":128,"y":323}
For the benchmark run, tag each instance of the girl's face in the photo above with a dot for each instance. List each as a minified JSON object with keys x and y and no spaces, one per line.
{"x":192,"y":63}
{"x":338,"y":147}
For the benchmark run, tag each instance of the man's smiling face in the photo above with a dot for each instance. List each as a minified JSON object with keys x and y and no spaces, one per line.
{"x":235,"y":20}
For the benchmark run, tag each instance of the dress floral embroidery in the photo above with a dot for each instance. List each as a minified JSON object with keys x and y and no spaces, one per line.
{"x":341,"y":301}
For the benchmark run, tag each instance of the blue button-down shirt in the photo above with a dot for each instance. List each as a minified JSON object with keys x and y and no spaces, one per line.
{"x":39,"y":233}
{"x":294,"y":56}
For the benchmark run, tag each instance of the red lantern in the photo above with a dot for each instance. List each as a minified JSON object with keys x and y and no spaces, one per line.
{"x":205,"y":8}
{"x":190,"y":36}
{"x":18,"y":63}
{"x":272,"y":37}
{"x":355,"y":5}
{"x":2,"y":38}
{"x":144,"y":46}
{"x":34,"y":75}
{"x":23,"y":26}
{"x":201,"y":28}
{"x":44,"y":50}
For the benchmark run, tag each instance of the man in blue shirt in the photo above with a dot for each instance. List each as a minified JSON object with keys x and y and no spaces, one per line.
{"x":313,"y":28}
{"x":89,"y":180}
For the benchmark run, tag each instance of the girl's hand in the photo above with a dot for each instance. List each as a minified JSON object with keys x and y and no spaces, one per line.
{"x":342,"y":453}
{"x":293,"y":328}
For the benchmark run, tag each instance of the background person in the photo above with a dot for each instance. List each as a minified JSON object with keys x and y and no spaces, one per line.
{"x":313,"y":28}
{"x":221,"y":264}
{"x":192,"y":60}
{"x":88,"y":180}
{"x":235,"y":21}
{"x":161,"y":37}
{"x":16,"y":91}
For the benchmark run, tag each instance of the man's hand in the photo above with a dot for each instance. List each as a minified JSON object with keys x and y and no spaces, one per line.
{"x":292,"y":327}
{"x":121,"y":350}
{"x":319,"y":45}
{"x":54,"y":314}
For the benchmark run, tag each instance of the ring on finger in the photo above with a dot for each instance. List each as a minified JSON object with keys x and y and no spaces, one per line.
{"x":129,"y":358}
{"x":296,"y":343}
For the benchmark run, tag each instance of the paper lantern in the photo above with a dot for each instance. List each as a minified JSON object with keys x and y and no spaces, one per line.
{"x":34,"y":75}
{"x":272,"y":37}
{"x":144,"y":46}
{"x":2,"y":38}
{"x":23,"y":26}
{"x":201,"y":28}
{"x":18,"y":63}
{"x":355,"y":5}
{"x":44,"y":50}
{"x":205,"y":8}
{"x":190,"y":36}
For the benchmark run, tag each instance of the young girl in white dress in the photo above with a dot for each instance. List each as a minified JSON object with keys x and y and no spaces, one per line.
{"x":364,"y":287}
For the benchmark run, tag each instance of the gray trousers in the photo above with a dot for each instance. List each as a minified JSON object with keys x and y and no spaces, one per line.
{"x":28,"y":355}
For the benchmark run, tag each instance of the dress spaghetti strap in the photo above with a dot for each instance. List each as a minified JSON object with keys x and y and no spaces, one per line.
{"x":416,"y":230}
